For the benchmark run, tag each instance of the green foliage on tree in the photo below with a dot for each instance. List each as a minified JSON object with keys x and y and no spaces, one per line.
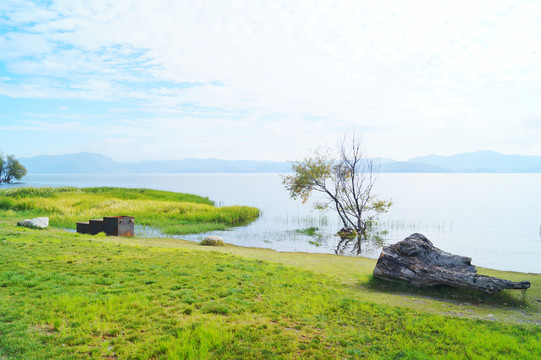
{"x":345,"y":178}
{"x":10,"y":169}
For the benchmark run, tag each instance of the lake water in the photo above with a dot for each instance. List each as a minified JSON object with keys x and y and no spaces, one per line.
{"x":493,"y":218}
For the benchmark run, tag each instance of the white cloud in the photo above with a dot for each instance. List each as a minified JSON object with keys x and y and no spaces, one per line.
{"x":423,"y":69}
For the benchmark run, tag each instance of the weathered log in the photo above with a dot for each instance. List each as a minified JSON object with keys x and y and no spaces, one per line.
{"x":417,"y":261}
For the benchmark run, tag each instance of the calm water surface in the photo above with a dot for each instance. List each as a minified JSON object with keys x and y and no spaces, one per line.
{"x":493,"y":218}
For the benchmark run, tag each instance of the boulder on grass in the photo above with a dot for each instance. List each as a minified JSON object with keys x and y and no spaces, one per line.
{"x":213,"y":240}
{"x":417,"y":261}
{"x":37,"y":223}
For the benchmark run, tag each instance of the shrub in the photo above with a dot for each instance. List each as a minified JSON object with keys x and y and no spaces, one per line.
{"x":213,"y":241}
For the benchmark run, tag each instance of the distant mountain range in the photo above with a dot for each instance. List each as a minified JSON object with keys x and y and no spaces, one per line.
{"x":97,"y":163}
{"x":476,"y":162}
{"x":484,"y":162}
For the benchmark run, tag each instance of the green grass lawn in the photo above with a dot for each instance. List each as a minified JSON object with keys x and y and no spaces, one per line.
{"x":67,"y":296}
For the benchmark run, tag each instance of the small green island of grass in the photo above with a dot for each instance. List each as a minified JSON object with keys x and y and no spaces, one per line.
{"x":170,"y":212}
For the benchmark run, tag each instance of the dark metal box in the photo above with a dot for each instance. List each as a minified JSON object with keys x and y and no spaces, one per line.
{"x":119,"y":225}
{"x":96,"y":226}
{"x":83,"y":227}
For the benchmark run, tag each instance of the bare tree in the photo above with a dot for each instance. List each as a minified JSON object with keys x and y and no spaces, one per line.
{"x":346,"y":180}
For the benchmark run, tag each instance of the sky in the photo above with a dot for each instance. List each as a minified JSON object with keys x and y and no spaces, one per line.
{"x":268,"y":80}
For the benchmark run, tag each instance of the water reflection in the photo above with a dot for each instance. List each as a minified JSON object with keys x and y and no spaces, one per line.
{"x":359,"y":245}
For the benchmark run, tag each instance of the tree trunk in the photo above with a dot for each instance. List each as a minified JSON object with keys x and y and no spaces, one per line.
{"x":416,"y":260}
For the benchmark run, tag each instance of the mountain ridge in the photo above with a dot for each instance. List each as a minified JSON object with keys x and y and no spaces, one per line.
{"x":484,"y":161}
{"x":473,"y":162}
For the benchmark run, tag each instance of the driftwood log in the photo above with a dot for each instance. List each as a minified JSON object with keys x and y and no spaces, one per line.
{"x":416,"y":260}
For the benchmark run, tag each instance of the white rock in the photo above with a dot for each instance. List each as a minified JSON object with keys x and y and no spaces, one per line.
{"x":214,"y":237}
{"x":40,"y":223}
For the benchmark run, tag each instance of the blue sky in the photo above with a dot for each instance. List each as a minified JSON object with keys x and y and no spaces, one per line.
{"x":268,"y":80}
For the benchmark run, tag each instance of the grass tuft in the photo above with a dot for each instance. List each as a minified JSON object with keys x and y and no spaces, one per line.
{"x":311,"y":231}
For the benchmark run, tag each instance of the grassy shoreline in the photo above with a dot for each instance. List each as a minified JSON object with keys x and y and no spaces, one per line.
{"x":356,"y":273}
{"x":65,"y":295}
